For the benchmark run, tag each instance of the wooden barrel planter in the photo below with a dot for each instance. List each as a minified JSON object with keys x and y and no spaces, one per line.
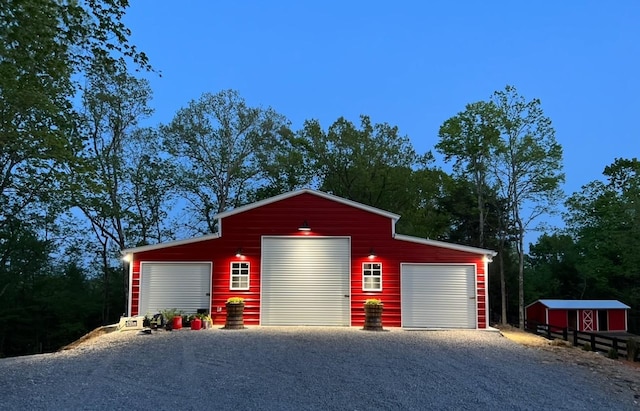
{"x":373,"y":317}
{"x":235,"y":320}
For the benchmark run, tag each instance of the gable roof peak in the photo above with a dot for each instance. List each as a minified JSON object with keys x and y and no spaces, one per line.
{"x":317,"y":193}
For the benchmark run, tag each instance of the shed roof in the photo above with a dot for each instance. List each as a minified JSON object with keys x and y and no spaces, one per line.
{"x":584,"y":304}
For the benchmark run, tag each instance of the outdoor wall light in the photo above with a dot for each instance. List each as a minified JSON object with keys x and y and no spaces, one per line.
{"x":304,"y":226}
{"x":488,"y":259}
{"x":239,"y":252}
{"x":372,"y":253}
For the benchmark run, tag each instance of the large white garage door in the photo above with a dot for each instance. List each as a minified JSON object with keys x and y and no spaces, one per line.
{"x":305,"y":281}
{"x":184,"y":286}
{"x":438,"y":296}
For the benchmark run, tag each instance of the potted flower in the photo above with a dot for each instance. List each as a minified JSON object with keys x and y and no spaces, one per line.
{"x":195,"y":323}
{"x":172,"y":318}
{"x":207,"y":322}
{"x":373,"y":314}
{"x":235,"y":312}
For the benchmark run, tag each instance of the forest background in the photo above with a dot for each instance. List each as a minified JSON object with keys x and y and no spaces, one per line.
{"x":84,"y":176}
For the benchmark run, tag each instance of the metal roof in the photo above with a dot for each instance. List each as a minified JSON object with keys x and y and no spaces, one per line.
{"x":331,"y":197}
{"x":169,"y":244}
{"x":585,"y":304}
{"x":322,"y":194}
{"x":443,"y":244}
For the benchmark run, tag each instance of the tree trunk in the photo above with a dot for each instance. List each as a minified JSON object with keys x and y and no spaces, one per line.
{"x":105,"y":270}
{"x":481,"y":219}
{"x":503,"y":290}
{"x":520,"y":274}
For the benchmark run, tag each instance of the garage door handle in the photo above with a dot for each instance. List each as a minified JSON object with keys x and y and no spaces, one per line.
{"x":472,"y":298}
{"x":347,"y":296}
{"x":208,"y":294}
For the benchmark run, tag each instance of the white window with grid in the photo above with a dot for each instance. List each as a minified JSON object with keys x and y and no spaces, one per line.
{"x":239,"y":275}
{"x":371,"y":276}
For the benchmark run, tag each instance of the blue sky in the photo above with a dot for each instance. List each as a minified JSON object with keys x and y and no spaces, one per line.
{"x":412,"y":64}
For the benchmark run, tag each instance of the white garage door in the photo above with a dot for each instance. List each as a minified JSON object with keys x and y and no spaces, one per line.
{"x":438,"y":296}
{"x":305,"y":281}
{"x":184,"y":286}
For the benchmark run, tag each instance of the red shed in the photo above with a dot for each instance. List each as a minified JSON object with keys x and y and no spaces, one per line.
{"x":311,"y":258}
{"x":581,"y":315}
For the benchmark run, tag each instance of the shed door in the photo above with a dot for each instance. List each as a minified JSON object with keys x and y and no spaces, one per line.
{"x":184,"y":286}
{"x":438,"y":296}
{"x":305,"y":281}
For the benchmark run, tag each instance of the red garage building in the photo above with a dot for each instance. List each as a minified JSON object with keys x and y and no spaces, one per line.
{"x":581,"y":315}
{"x":311,"y":258}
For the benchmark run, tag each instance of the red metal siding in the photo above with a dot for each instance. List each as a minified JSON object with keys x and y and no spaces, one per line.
{"x":220,"y":253}
{"x":558,"y":318}
{"x":536,"y":313}
{"x":617,"y":320}
{"x":394,"y":252}
{"x":326,"y":218}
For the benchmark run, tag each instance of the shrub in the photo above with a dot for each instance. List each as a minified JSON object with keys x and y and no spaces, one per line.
{"x":613,"y":353}
{"x":587,"y":347}
{"x":372,"y":301}
{"x":235,"y":300}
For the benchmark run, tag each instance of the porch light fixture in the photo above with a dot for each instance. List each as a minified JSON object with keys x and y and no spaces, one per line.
{"x":488,"y":258}
{"x":239,"y":252}
{"x":304,"y":226}
{"x":372,"y":253}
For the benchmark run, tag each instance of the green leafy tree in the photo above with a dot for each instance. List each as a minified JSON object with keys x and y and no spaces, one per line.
{"x":471,"y":139}
{"x":46,"y":48}
{"x":375,"y":165}
{"x":604,"y":219}
{"x":35,"y":112}
{"x":113,"y":104}
{"x":220,"y":145}
{"x":151,"y":189}
{"x":368,"y":163}
{"x":284,"y":167}
{"x":552,"y":269}
{"x":45,"y":45}
{"x":24,"y":259}
{"x":422,"y":210}
{"x":527,"y":169}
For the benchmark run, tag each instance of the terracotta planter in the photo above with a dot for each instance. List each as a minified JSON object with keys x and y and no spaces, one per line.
{"x":373,"y":317}
{"x":235,"y":313}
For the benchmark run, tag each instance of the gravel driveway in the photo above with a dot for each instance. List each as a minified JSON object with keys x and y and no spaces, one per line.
{"x":297,"y":368}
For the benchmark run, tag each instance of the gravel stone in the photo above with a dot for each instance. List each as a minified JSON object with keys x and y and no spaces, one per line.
{"x":302,"y":368}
